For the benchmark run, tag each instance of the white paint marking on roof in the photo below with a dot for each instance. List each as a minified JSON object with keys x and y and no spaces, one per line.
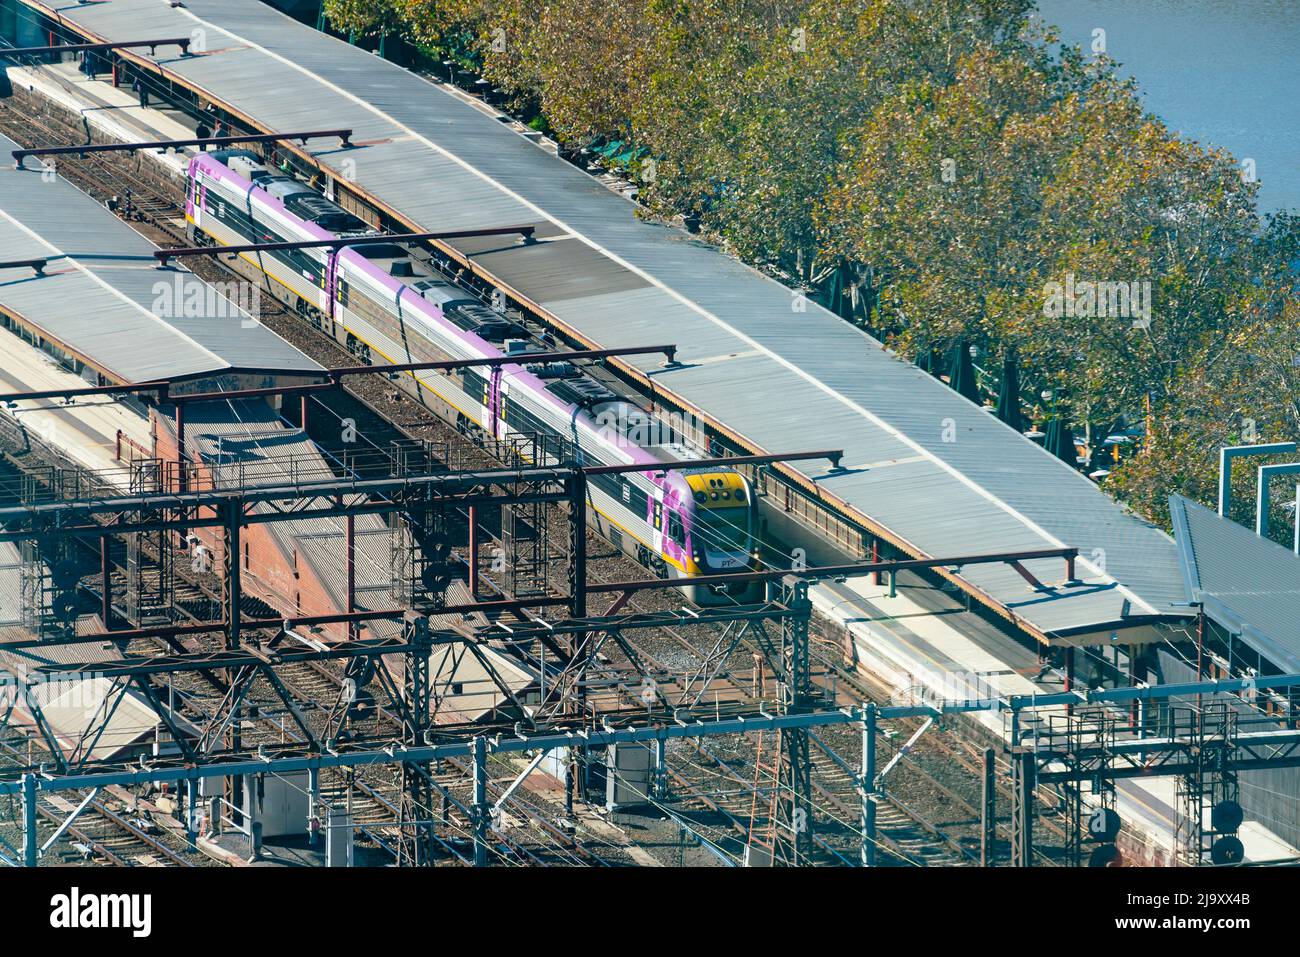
{"x":707,"y":360}
{"x":885,"y":463}
{"x":221,"y":363}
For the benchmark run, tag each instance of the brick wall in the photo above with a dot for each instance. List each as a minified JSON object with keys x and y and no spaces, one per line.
{"x":270,"y":566}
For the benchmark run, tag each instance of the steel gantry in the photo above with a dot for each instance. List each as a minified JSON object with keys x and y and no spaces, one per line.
{"x":781,"y":828}
{"x":1252,"y":750}
{"x":20,"y":155}
{"x":1204,"y":748}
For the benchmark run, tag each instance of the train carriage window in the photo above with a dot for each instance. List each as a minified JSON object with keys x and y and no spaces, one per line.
{"x":627,"y":491}
{"x":473,"y":382}
{"x":606,"y":483}
{"x":342,"y":290}
{"x":640,"y":499}
{"x":520,"y":419}
{"x":659,"y":514}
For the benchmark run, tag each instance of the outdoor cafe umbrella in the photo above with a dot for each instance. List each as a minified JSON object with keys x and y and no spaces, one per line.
{"x":1059,"y":440}
{"x":961,"y":373}
{"x":1009,"y":395}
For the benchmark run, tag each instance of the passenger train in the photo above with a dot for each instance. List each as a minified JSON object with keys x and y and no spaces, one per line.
{"x":388,"y":306}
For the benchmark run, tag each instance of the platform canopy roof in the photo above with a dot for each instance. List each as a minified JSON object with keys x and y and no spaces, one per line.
{"x":102,"y":299}
{"x":1247,"y":583}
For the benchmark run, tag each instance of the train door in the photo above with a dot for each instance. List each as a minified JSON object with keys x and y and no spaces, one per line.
{"x":503,"y":403}
{"x":658,"y":521}
{"x":335,"y":291}
{"x":491,"y":389}
{"x":325,"y":300}
{"x":200,"y":204}
{"x":674,"y":537}
{"x":191,"y":194}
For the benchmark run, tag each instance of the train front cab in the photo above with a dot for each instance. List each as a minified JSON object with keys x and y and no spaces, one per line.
{"x":720,"y":537}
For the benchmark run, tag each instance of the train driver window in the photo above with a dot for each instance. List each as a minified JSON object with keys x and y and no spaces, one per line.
{"x":675,"y":530}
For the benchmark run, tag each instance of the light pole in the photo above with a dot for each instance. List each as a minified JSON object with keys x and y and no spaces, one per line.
{"x":1266,"y":472}
{"x":1229,"y":452}
{"x":1296,"y":541}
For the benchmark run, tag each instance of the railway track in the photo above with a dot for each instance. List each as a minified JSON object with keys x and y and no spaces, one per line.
{"x":315,"y":687}
{"x":899,"y":827}
{"x":375,"y":806}
{"x":101,"y":833}
{"x":104,"y":835}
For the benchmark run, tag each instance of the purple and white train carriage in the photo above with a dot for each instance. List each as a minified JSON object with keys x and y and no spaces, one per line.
{"x":388,"y":307}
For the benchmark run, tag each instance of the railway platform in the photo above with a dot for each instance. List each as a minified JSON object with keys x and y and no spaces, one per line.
{"x":926,"y":643}
{"x":99,"y":434}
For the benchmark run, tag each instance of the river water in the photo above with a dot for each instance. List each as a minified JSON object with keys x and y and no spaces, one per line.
{"x":1222,"y":72}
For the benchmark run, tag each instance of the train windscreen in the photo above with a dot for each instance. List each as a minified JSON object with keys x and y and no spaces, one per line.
{"x":721,"y":529}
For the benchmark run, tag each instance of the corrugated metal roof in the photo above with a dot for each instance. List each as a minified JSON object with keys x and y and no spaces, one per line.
{"x":73,"y":705}
{"x":1246,"y":582}
{"x":246,"y":444}
{"x":103,"y":299}
{"x":932,"y":470}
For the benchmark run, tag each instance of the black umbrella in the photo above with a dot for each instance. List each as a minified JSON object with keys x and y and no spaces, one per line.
{"x":1009,"y":395}
{"x":1059,"y":440}
{"x":927,"y":362}
{"x":961,"y":373}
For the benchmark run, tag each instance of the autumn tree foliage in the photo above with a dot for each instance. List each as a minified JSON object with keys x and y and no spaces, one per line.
{"x":957,"y":165}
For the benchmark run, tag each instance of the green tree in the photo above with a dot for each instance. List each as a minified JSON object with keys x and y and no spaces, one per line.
{"x":365,"y":17}
{"x":1239,"y":389}
{"x":980,"y":201}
